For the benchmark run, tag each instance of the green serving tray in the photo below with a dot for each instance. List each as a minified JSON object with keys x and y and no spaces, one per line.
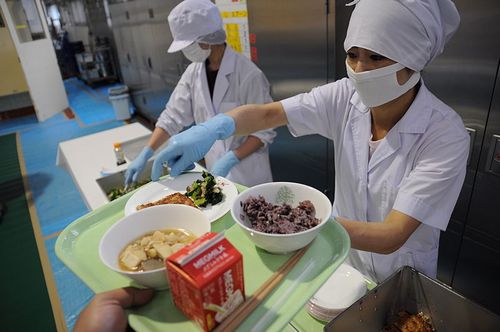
{"x":77,"y":246}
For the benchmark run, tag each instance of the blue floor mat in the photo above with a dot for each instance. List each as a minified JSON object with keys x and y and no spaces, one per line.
{"x":73,"y":293}
{"x":91,"y":106}
{"x":56,"y":197}
{"x":57,"y":200}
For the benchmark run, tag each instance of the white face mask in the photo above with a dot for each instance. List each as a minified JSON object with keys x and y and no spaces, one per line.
{"x":379,"y":86}
{"x":195,"y":53}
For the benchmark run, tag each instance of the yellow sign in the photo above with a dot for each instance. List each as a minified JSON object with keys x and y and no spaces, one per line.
{"x":235,"y":17}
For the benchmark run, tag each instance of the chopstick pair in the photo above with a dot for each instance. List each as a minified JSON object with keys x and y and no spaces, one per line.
{"x":243,"y":311}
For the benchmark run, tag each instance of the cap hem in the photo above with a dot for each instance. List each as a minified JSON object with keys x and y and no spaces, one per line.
{"x":178,"y":45}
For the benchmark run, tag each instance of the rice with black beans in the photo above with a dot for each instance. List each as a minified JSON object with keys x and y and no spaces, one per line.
{"x":279,"y":219}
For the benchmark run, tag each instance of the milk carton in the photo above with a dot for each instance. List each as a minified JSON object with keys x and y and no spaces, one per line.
{"x":206,"y":279}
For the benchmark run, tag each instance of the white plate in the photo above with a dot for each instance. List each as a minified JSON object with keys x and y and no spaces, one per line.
{"x":344,"y":287}
{"x":155,"y":190}
{"x":319,"y":314}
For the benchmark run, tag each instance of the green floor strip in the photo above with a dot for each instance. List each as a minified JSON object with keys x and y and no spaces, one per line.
{"x":24,"y":299}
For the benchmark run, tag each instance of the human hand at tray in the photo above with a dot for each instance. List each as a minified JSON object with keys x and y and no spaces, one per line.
{"x":191,"y":145}
{"x":106,"y":311}
{"x":137,"y":166}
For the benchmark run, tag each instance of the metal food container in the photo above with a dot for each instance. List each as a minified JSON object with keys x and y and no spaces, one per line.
{"x":412,"y":291}
{"x":131,"y":149}
{"x":117,"y":180}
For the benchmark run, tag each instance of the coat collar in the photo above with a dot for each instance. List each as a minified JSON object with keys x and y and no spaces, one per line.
{"x":417,"y":118}
{"x":415,"y":121}
{"x":204,"y":88}
{"x":226,"y":68}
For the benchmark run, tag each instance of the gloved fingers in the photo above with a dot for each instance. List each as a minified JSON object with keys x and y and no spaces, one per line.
{"x":171,"y":161}
{"x":174,"y":161}
{"x":135,"y":176}
{"x":157,"y":169}
{"x":128,"y":177}
{"x":167,"y":154}
{"x":180,"y":165}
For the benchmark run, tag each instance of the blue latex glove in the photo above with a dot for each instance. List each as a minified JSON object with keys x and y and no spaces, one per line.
{"x":224,"y":164}
{"x":137,"y":165}
{"x":192,"y":144}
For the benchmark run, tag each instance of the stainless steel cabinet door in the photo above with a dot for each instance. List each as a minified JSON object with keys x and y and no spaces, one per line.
{"x":291,"y":49}
{"x":464,"y":78}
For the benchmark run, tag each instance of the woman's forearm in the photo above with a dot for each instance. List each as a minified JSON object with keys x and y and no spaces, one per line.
{"x":158,"y":137}
{"x":380,"y":237}
{"x":249,"y":146}
{"x":254,"y":117}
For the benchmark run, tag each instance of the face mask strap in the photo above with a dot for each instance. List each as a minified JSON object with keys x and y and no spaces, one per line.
{"x":411,"y":82}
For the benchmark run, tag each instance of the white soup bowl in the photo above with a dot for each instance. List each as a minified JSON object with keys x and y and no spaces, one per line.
{"x":144,"y":221}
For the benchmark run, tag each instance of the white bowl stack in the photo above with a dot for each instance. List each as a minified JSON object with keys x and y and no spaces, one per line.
{"x":344,"y":287}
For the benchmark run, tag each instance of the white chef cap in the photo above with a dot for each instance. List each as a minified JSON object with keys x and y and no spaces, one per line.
{"x":192,"y":19}
{"x":411,"y":32}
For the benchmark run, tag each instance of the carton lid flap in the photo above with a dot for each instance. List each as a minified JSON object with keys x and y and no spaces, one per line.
{"x":206,"y":257}
{"x":188,"y":253}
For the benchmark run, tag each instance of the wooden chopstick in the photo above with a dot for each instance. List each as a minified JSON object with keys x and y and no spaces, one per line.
{"x":243,"y":311}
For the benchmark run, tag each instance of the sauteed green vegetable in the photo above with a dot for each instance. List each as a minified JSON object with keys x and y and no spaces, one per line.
{"x":119,"y":192}
{"x":204,"y":192}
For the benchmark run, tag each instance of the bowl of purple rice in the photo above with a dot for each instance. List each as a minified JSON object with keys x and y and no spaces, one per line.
{"x":281,"y":217}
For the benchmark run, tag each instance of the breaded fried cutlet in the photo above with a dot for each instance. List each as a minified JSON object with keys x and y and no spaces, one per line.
{"x":175,"y":198}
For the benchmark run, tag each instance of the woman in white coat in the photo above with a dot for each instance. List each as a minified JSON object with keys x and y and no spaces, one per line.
{"x":217,"y":80}
{"x":400,"y":152}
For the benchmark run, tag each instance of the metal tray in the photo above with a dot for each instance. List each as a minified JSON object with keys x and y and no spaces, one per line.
{"x":414,"y":292}
{"x":131,"y":149}
{"x":117,"y":180}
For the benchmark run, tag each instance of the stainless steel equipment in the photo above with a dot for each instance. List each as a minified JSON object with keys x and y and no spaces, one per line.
{"x":292,"y":42}
{"x":97,"y":63}
{"x":116,"y":180}
{"x":411,"y":291}
{"x":467,"y":79}
{"x":142,"y":37}
{"x":131,"y":149}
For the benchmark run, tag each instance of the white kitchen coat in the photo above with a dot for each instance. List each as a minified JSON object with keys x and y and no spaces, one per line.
{"x":238,"y":82}
{"x":417,"y":169}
